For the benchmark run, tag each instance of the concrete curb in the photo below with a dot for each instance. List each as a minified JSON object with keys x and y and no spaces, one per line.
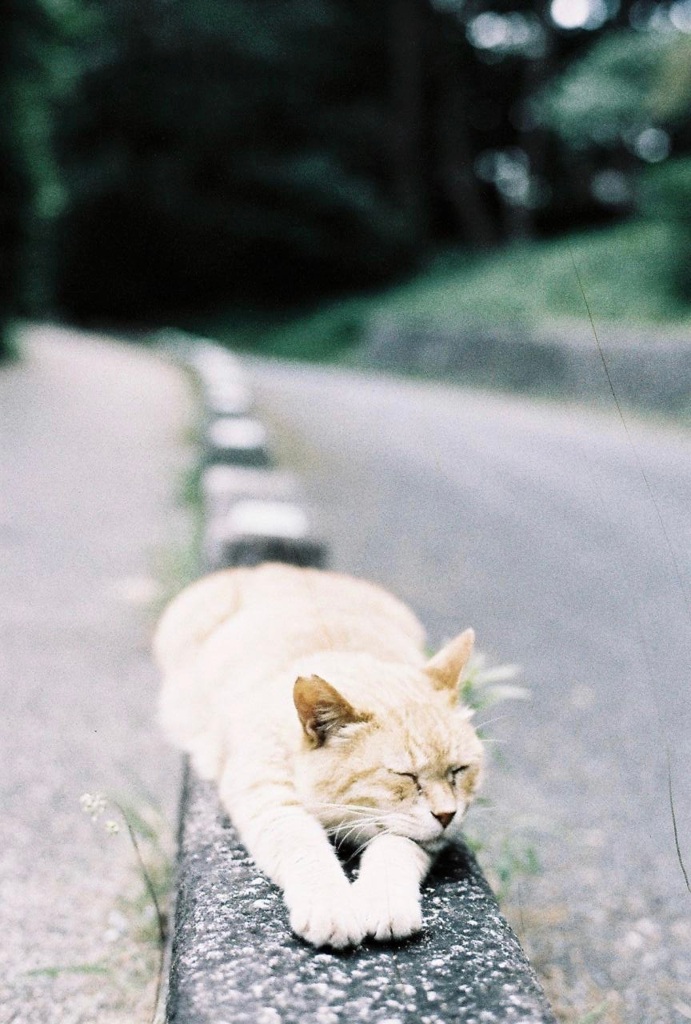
{"x":233,"y":958}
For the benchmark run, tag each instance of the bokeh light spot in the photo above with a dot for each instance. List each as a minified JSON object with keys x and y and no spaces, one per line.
{"x":572,"y":14}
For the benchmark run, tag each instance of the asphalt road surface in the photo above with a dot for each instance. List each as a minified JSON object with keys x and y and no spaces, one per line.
{"x":564,"y":538}
{"x":91,"y":457}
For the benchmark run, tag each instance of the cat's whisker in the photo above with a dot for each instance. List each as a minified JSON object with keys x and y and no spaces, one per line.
{"x":354,"y":827}
{"x":361,"y":848}
{"x":353,"y":819}
{"x":383,"y":830}
{"x":359,"y":817}
{"x":492,"y":721}
{"x":365,"y":808}
{"x":350,"y":852}
{"x":492,"y":741}
{"x":374,"y":821}
{"x":342,"y":837}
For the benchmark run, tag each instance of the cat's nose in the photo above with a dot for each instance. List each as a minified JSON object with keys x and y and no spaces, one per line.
{"x":444,"y":817}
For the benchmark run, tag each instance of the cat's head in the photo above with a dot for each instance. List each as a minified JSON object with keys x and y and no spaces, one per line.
{"x":412,"y":770}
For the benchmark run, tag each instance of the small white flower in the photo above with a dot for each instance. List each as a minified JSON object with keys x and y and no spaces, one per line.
{"x":93,"y":804}
{"x":112,"y":827}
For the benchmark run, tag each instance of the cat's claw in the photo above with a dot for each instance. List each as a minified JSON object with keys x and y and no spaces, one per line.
{"x":386,"y":916}
{"x":329,"y":921}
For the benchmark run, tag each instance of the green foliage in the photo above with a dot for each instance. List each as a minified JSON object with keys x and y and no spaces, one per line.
{"x":36,"y":68}
{"x":9,"y":346}
{"x":666,"y":200}
{"x":320,"y":333}
{"x":670,"y":96}
{"x":628,"y":83}
{"x":608,"y":92}
{"x":484,"y":687}
{"x":158,"y":160}
{"x":666,"y":193}
{"x":514,"y":857}
{"x":144,"y":911}
{"x":628,"y":272}
{"x":20,"y":62}
{"x":219,"y":150}
{"x":511,"y":855}
{"x":507,"y":857}
{"x":595,"y":1015}
{"x":55,"y":972}
{"x":625,"y":270}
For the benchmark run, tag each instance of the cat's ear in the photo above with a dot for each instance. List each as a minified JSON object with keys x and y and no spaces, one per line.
{"x":321,"y":709}
{"x":446,"y":667}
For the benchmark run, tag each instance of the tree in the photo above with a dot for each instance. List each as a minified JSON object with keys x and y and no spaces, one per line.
{"x":225,"y":151}
{"x":266,"y":152}
{"x":627,"y":101}
{"x":24,"y":40}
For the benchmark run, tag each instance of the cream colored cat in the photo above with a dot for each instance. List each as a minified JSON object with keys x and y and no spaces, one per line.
{"x":306,"y":696}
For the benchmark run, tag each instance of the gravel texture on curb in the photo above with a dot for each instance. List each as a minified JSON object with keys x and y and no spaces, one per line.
{"x":234,"y":959}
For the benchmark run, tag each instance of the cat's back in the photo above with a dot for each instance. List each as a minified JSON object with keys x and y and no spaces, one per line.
{"x":340,"y":608}
{"x":276,"y":603}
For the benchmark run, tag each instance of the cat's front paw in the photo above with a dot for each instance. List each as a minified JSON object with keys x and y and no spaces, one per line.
{"x":326,"y":917}
{"x":387,"y":914}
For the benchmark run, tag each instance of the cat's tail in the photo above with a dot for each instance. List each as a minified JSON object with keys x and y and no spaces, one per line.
{"x":193,"y":615}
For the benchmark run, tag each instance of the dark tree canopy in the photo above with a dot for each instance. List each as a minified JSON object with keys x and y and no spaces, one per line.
{"x":162,"y":159}
{"x":27,"y":36}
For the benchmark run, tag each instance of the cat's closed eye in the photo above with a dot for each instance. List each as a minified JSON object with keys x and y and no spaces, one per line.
{"x":407,"y":775}
{"x":455,"y":772}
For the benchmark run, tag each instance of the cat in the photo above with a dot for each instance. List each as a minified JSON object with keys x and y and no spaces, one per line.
{"x":306,"y":696}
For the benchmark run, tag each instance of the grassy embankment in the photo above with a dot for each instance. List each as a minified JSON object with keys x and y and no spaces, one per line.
{"x":626,"y":271}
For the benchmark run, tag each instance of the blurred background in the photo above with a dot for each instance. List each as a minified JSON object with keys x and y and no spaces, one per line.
{"x":369,"y":182}
{"x":253,"y":166}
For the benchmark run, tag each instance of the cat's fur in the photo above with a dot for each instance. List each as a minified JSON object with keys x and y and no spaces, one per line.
{"x":307,"y":697}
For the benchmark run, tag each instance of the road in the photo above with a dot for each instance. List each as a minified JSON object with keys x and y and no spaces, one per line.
{"x":564,"y":538}
{"x":91,"y":455}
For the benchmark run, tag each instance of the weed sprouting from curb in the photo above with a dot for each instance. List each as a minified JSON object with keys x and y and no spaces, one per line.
{"x":484,"y":687}
{"x":137,"y":828}
{"x":595,"y":1014}
{"x":55,"y":972}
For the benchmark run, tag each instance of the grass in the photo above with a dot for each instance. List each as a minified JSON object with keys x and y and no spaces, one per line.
{"x":54,"y":972}
{"x":626,"y":271}
{"x":511,"y":855}
{"x":10,"y":346}
{"x":139,"y":960}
